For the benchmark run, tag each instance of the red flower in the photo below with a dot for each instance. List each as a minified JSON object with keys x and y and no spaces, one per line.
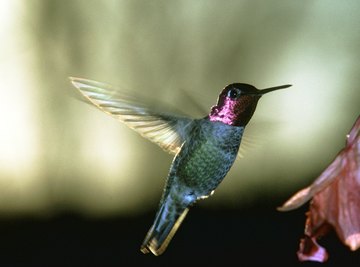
{"x":335,"y":201}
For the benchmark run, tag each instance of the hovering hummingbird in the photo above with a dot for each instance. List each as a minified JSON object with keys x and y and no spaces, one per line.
{"x":204,"y":149}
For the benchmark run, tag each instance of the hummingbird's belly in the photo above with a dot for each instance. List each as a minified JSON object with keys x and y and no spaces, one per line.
{"x":205,"y":163}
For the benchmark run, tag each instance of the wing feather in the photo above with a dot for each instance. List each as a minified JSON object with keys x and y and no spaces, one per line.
{"x":166,"y":130}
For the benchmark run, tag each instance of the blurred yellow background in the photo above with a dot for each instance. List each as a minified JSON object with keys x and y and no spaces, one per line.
{"x":57,"y":153}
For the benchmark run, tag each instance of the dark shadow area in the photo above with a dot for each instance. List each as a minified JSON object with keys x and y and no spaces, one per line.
{"x":255,"y":236}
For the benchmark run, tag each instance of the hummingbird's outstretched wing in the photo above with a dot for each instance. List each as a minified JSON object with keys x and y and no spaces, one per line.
{"x":167,"y":130}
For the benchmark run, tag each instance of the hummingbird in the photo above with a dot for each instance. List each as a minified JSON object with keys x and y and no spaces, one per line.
{"x":204,"y":149}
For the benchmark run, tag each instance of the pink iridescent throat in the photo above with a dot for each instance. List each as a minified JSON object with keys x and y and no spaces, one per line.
{"x":224,"y":113}
{"x":234,"y":112}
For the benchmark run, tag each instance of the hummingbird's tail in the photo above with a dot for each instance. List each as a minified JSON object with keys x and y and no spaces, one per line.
{"x":167,"y":221}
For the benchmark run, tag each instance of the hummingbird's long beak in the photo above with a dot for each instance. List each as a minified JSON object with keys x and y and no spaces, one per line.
{"x":267,"y":90}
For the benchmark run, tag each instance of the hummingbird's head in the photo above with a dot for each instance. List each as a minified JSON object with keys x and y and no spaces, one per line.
{"x":237,"y":103}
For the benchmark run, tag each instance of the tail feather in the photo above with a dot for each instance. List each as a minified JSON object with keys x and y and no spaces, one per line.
{"x":166,"y":223}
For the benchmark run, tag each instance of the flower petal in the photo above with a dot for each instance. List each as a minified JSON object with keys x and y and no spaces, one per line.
{"x":335,"y":201}
{"x":310,"y":250}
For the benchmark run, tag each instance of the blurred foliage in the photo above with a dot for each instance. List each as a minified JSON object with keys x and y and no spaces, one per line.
{"x":57,"y":153}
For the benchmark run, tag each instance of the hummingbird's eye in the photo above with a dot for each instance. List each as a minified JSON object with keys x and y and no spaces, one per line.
{"x":233,"y":93}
